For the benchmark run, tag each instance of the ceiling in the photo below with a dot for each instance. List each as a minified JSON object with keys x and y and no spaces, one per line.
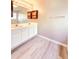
{"x":30,"y":4}
{"x":48,"y":6}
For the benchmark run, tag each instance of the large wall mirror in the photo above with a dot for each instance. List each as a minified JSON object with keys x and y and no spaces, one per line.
{"x":19,"y":13}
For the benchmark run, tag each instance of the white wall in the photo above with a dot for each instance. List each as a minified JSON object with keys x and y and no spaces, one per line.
{"x":53,"y":22}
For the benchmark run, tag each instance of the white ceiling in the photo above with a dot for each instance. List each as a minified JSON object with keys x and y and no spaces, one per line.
{"x":49,"y":7}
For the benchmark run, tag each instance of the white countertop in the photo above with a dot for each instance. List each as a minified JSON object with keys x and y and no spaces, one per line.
{"x":23,"y":25}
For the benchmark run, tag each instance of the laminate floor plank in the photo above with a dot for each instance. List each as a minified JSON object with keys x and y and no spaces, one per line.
{"x":37,"y":48}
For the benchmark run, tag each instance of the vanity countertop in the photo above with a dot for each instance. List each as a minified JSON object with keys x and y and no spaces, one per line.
{"x":21,"y":26}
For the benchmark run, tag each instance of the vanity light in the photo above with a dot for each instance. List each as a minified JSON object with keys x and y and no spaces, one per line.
{"x":15,"y":6}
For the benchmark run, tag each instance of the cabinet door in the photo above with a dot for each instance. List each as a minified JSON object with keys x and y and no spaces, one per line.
{"x":32,"y":30}
{"x":24,"y":34}
{"x":35,"y":29}
{"x":15,"y":38}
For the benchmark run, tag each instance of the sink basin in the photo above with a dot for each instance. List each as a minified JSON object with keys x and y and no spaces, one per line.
{"x":23,"y":25}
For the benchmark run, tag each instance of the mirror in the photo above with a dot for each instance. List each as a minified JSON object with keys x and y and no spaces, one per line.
{"x":19,"y":12}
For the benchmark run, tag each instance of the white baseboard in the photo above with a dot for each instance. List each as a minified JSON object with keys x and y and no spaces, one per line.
{"x":52,"y":40}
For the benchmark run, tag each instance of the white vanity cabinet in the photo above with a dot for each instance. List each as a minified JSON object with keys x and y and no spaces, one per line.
{"x":32,"y":30}
{"x":24,"y":33}
{"x":21,"y":35}
{"x":15,"y":37}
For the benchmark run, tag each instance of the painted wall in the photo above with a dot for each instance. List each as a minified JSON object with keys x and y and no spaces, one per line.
{"x":53,"y":22}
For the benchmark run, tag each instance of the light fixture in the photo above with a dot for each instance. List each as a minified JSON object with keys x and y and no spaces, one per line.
{"x":15,"y":6}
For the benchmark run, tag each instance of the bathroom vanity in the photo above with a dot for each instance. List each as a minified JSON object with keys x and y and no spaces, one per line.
{"x":21,"y":33}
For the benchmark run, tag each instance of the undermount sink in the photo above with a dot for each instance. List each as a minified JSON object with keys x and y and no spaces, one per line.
{"x":23,"y":25}
{"x":15,"y":26}
{"x":19,"y":26}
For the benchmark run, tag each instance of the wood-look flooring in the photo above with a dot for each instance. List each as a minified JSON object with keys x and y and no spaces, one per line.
{"x":37,"y":48}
